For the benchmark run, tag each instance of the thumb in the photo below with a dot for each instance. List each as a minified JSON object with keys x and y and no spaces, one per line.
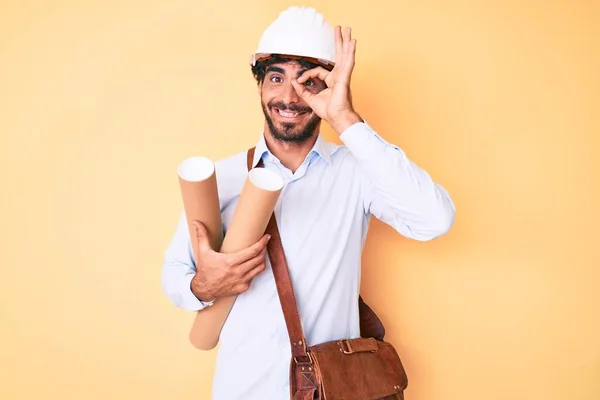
{"x":201,"y":236}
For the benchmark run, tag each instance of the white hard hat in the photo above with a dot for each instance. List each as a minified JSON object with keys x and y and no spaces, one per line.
{"x":298,"y":31}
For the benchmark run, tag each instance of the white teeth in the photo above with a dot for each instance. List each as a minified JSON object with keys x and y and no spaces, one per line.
{"x":288,"y":114}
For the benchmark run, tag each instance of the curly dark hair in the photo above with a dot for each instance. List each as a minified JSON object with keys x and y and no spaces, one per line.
{"x":260,"y":68}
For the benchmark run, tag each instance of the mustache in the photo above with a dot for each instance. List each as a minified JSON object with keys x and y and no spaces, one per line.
{"x":292,"y":107}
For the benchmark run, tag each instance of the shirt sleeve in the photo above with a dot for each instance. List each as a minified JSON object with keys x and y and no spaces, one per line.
{"x":179,"y":268}
{"x":395,"y":190}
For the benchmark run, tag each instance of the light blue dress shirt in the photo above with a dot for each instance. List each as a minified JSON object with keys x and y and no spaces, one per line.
{"x":323,"y":215}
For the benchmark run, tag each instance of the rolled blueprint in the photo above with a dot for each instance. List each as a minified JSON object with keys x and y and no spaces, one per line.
{"x":248,"y":224}
{"x":198,"y":183}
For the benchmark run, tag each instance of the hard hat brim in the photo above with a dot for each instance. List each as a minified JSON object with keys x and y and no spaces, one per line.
{"x":327,"y":64}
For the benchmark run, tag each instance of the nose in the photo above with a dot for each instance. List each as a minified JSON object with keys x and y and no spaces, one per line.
{"x":289,"y":94}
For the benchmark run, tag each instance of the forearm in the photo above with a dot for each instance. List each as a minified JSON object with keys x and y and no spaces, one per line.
{"x":396,"y":190}
{"x":344,"y":121}
{"x":179,"y":270}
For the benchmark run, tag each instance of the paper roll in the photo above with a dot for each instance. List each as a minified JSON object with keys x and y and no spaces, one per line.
{"x":198,"y":183}
{"x":253,"y":210}
{"x":248,"y":224}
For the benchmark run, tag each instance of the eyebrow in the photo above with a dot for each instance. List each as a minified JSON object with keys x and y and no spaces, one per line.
{"x":282,"y":71}
{"x":275,"y":69}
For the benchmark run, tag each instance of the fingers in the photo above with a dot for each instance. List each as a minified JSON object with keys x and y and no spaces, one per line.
{"x":242,"y":287}
{"x":255,"y":270}
{"x":247,"y":271}
{"x":318,"y":72}
{"x":345,"y":50}
{"x":338,"y":45}
{"x":341,"y":42}
{"x":251,"y":264}
{"x":302,"y":91}
{"x":251,"y":252}
{"x":201,"y":236}
{"x":251,"y":274}
{"x":346,"y":37}
{"x":315,"y":73}
{"x":348,"y":54}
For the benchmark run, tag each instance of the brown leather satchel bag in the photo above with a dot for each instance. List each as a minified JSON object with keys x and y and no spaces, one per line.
{"x":365,"y":368}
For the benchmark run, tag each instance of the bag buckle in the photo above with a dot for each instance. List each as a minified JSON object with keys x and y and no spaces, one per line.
{"x":345,"y":347}
{"x":298,"y":361}
{"x":351,"y":346}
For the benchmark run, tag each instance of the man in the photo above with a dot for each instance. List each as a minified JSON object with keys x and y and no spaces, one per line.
{"x":303,"y":69}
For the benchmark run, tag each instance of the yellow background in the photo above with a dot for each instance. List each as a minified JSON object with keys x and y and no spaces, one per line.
{"x":499,"y":101}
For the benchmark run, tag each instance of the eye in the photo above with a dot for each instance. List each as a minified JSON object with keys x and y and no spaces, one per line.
{"x":275,"y":79}
{"x":310,"y":82}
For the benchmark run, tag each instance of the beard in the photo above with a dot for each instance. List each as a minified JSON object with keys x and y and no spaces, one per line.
{"x":290,"y":132}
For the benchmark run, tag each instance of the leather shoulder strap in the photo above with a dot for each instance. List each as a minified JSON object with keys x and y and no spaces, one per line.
{"x":285,"y":289}
{"x":250,"y":157}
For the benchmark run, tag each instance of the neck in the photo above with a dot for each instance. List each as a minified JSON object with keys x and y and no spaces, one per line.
{"x":291,"y":154}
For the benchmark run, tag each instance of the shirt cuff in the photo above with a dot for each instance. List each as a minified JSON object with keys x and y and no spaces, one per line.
{"x":363,"y":141}
{"x":189,"y":299}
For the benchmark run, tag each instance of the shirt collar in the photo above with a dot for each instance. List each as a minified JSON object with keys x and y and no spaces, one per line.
{"x":321,"y":148}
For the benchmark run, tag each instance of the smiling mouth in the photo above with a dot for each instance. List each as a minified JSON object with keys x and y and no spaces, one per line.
{"x":289,"y":114}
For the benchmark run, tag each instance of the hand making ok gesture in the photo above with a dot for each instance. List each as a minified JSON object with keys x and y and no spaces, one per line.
{"x":334,"y":103}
